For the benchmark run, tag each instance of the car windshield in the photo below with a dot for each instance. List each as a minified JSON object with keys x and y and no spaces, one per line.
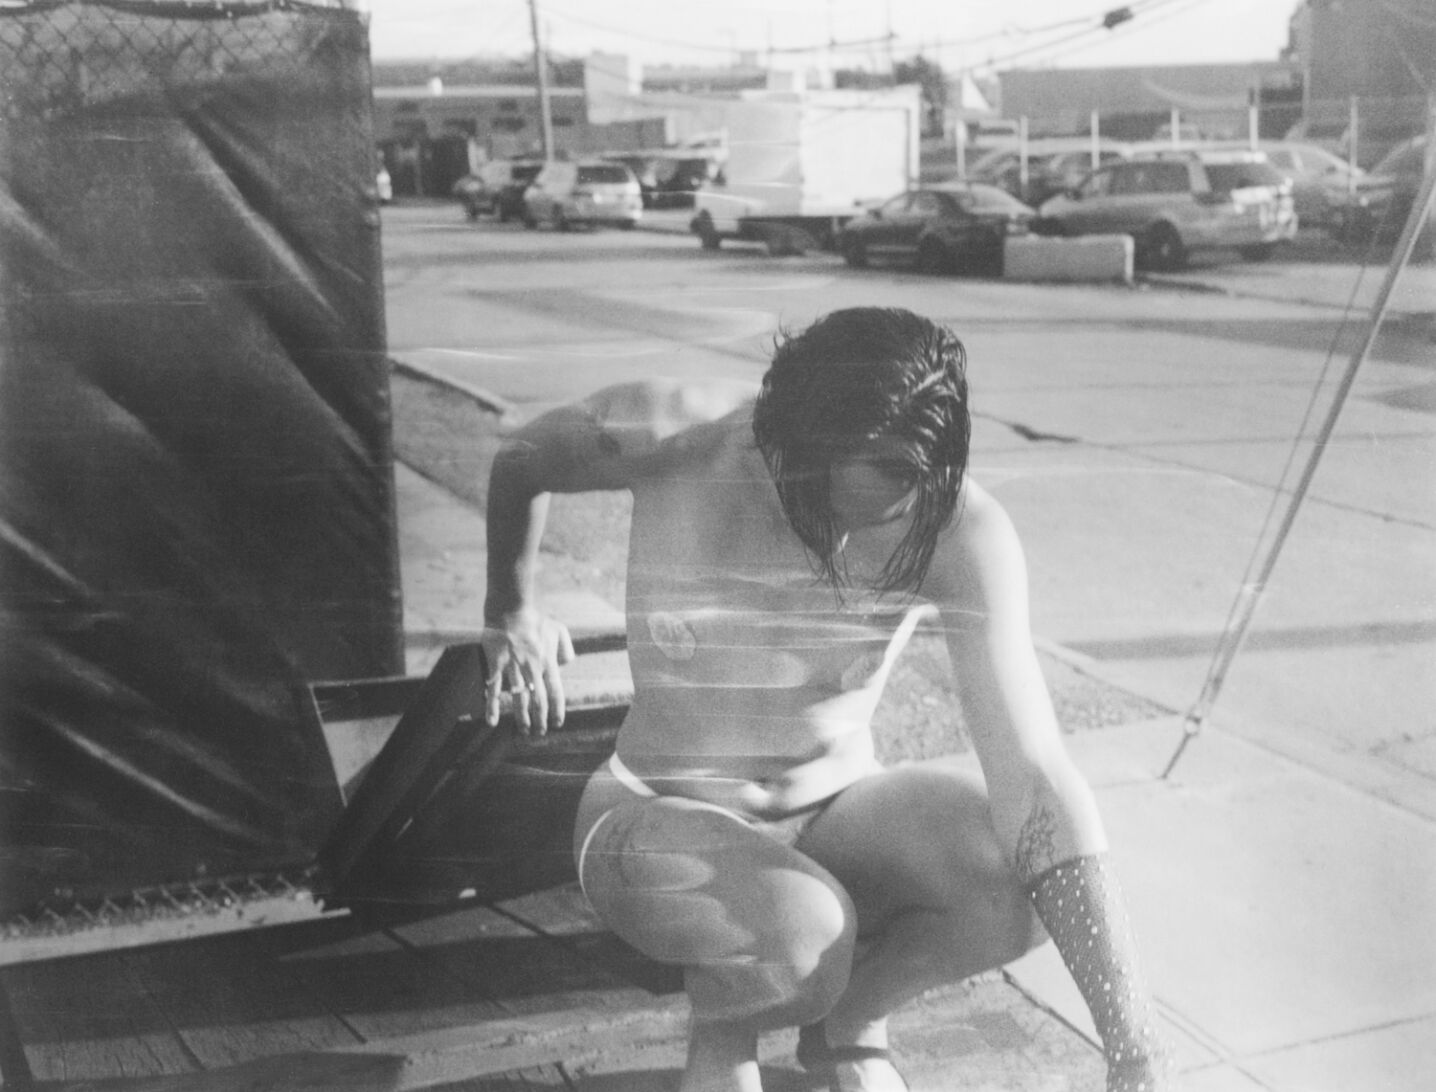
{"x":612,"y":173}
{"x":525,"y":172}
{"x":1236,"y":176}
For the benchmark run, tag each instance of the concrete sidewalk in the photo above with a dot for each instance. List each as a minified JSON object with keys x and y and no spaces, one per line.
{"x":1286,"y":916}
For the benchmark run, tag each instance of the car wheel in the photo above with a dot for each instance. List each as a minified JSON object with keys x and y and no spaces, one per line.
{"x":932,"y":257}
{"x":558,"y":219}
{"x":854,"y":253}
{"x":1258,"y":252}
{"x":1161,"y":248}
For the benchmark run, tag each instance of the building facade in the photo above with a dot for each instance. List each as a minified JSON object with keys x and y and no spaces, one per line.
{"x":1368,"y":70}
{"x":1137,"y":103}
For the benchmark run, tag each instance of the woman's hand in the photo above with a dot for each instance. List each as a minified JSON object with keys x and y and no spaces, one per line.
{"x":524,"y":651}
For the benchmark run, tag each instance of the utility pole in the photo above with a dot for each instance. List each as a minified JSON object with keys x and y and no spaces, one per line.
{"x":541,"y":79}
{"x":892,"y":61}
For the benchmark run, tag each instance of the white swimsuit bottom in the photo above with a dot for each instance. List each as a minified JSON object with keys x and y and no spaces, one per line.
{"x":786,"y":830}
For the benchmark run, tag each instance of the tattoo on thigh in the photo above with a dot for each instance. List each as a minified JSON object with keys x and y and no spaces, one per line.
{"x":1037,"y":844}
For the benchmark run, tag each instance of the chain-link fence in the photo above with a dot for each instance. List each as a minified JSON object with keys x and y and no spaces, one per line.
{"x":196,"y":479}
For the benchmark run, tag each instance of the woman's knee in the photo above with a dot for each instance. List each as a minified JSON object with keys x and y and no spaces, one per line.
{"x":757,"y":925}
{"x":797,"y":965}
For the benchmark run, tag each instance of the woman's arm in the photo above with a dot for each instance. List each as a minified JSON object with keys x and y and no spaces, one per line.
{"x":609,"y":441}
{"x":1043,"y":809}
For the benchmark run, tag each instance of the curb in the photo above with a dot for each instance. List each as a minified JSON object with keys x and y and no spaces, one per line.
{"x":486,"y":400}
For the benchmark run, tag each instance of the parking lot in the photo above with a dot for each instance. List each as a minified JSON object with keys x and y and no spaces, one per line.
{"x":1141,"y":436}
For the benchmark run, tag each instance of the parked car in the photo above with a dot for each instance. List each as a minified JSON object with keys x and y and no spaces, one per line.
{"x":644,"y":166}
{"x":953,"y":225}
{"x":1174,"y":203}
{"x":497,"y":188}
{"x":668,"y":179}
{"x":1381,"y":200}
{"x":679,"y":176}
{"x":590,"y":191}
{"x":1053,"y":166}
{"x":1320,"y":179}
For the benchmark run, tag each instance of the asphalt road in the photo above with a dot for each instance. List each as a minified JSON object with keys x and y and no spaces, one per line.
{"x":1140,"y":437}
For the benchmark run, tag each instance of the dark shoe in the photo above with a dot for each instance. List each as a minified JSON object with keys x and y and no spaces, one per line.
{"x":816,"y":1056}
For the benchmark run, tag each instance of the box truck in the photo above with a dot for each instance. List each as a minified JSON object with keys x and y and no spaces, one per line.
{"x":801,"y":164}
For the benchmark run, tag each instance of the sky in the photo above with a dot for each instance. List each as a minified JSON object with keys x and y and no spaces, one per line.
{"x":981,"y":35}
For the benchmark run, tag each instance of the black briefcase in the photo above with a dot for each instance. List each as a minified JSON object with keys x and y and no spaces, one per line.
{"x":451,"y":807}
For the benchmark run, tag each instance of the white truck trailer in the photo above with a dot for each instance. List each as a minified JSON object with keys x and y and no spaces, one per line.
{"x":800,"y":164}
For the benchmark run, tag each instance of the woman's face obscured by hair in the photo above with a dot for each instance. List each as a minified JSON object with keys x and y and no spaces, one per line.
{"x":864,"y":491}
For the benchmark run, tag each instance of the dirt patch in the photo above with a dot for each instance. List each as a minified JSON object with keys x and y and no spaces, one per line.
{"x":451,"y":439}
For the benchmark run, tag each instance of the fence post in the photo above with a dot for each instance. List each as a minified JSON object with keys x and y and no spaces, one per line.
{"x":1353,"y":135}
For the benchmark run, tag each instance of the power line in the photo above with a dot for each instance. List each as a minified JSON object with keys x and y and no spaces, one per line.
{"x":1098,"y":22}
{"x":1129,"y":28}
{"x":1094,"y":32}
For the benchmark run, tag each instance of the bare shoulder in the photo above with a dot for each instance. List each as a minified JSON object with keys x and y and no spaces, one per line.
{"x":623,"y":434}
{"x":979,"y":566}
{"x":642,"y":416}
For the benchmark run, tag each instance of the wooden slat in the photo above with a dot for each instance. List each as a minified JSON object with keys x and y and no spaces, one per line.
{"x":233,"y":1000}
{"x":382,"y":988}
{"x":565,"y":914}
{"x":89,"y":1017}
{"x":321,"y":1072}
{"x":565,"y":1036}
{"x":530,"y":971}
{"x":364,"y":699}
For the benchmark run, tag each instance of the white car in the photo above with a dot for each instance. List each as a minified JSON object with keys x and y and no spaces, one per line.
{"x":1320,"y":180}
{"x":1178,"y":202}
{"x":588,"y":192}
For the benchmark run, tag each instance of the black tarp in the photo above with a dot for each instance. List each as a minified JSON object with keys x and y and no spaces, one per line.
{"x":196,"y":480}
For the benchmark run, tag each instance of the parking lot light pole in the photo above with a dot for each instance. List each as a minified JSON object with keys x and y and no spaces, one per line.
{"x":541,"y":80}
{"x":1022,"y":156}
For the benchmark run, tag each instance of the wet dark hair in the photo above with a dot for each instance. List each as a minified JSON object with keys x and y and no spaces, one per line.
{"x":874,"y":381}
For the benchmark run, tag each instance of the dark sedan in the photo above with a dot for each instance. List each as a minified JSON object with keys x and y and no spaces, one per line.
{"x":1381,"y":200}
{"x":953,"y":226}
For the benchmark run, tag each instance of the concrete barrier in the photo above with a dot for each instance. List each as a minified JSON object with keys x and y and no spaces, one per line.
{"x":1050,"y":258}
